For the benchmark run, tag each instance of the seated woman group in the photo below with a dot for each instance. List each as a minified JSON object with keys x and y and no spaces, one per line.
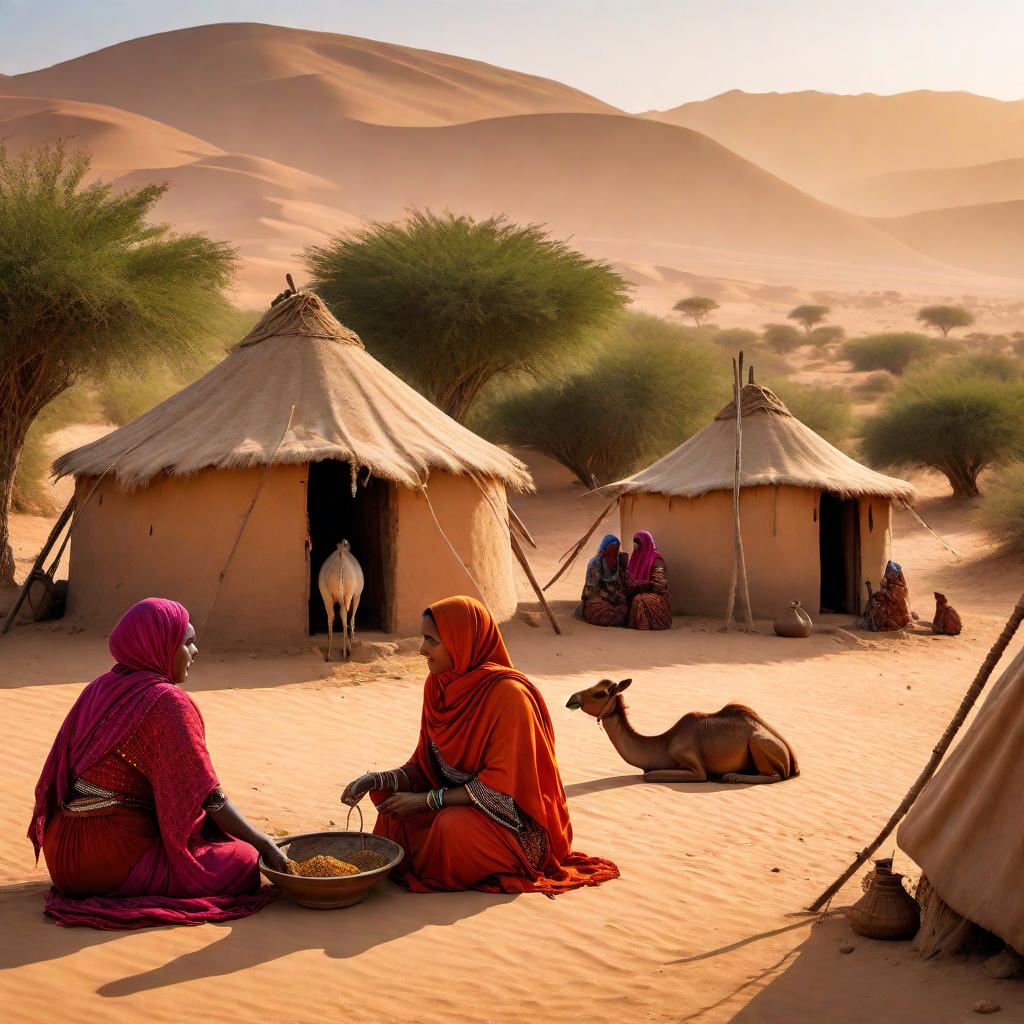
{"x":631,"y":592}
{"x":136,"y":830}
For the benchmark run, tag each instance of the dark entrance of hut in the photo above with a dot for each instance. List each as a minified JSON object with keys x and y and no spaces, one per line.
{"x":839,"y":546}
{"x":334,"y":514}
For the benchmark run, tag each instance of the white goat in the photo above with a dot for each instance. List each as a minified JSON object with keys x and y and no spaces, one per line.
{"x":341,"y":583}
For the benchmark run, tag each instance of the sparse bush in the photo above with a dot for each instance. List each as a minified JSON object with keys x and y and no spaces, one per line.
{"x":825,"y":410}
{"x":822,"y":337}
{"x":735,"y":339}
{"x":808,"y":317}
{"x":783,"y":337}
{"x":697,"y":307}
{"x":957,"y":425}
{"x":124,"y":398}
{"x":892,"y":351}
{"x":945,"y":318}
{"x":650,"y":386}
{"x":878,"y":383}
{"x":1002,"y":511}
{"x":986,"y":364}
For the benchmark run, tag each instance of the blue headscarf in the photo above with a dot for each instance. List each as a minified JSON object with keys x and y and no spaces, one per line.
{"x":607,"y":571}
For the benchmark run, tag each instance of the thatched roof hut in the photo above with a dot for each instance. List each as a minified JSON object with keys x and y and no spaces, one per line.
{"x":362,"y":456}
{"x":816,"y":524}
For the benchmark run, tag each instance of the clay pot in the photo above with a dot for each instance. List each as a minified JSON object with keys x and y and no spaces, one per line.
{"x":794,"y":622}
{"x":886,"y":910}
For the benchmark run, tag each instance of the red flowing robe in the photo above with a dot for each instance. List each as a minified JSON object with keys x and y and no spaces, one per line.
{"x":486,"y":726}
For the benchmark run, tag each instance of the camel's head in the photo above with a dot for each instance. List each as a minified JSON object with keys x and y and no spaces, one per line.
{"x":599,"y":699}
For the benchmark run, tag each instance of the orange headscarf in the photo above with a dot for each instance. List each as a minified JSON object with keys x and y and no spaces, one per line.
{"x":489,"y":720}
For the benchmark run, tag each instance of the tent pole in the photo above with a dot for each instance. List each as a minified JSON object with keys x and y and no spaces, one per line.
{"x":50,"y":541}
{"x":739,"y":565}
{"x":521,"y":556}
{"x":982,"y":677}
{"x":573,"y":553}
{"x":519,"y":526}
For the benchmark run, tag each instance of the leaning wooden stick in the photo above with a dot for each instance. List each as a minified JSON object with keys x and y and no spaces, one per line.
{"x":521,"y":556}
{"x":245,"y":522}
{"x":987,"y":666}
{"x":520,"y":527}
{"x":574,"y":552}
{"x":50,"y":541}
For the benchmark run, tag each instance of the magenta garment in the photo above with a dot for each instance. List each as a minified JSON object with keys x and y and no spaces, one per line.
{"x":186,"y":876}
{"x":641,"y":561}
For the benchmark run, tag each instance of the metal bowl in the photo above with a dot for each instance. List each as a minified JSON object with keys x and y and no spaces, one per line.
{"x":328,"y":893}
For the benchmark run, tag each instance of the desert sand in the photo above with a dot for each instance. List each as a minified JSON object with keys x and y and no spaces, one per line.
{"x":699,"y":927}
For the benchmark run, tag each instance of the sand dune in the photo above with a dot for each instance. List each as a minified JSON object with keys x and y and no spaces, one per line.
{"x":118,"y":140}
{"x":819,"y":141}
{"x":988,"y":238}
{"x":935,"y":188}
{"x":240,"y":84}
{"x":597,"y":177}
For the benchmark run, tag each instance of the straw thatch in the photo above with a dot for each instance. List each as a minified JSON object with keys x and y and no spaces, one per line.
{"x":778,"y":450}
{"x":347,"y":407}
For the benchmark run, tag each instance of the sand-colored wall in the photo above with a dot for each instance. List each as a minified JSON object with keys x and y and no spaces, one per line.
{"x":875,"y":541}
{"x":427,"y":570}
{"x":780,"y":542}
{"x":172,"y":539}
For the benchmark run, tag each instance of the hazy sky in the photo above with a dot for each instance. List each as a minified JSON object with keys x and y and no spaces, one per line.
{"x":636,"y":54}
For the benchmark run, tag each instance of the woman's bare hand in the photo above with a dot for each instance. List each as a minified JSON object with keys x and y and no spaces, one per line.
{"x":357,"y":789}
{"x":272,"y":855}
{"x":404,"y":805}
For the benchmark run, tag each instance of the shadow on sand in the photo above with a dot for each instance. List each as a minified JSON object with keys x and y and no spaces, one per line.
{"x":281,"y":929}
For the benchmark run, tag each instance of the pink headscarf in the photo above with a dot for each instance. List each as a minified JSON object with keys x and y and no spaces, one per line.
{"x":641,"y":561}
{"x":111,"y":707}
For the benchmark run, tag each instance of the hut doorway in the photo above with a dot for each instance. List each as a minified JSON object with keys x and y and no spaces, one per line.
{"x":334,"y":514}
{"x":839,"y":546}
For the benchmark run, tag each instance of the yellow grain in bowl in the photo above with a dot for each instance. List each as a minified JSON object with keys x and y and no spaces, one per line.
{"x":321,"y":866}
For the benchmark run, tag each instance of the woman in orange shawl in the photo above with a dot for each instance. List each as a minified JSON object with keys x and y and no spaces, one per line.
{"x":480,"y":804}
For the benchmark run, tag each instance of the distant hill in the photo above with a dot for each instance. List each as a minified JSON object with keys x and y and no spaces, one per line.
{"x":903,"y":192}
{"x":819,"y":141}
{"x":988,"y":238}
{"x":237,"y":85}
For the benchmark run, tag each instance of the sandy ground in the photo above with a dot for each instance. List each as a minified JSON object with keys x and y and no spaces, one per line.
{"x":701,"y":925}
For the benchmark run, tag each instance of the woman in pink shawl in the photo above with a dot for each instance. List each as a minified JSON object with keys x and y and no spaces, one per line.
{"x":129,"y":814}
{"x":650,"y":604}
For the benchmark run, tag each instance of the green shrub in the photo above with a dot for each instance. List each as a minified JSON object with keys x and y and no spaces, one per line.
{"x":892,"y":351}
{"x":124,"y":398}
{"x":875,"y":385}
{"x":783,"y":337}
{"x":648,"y":388}
{"x":1002,"y":511}
{"x":734,"y":339}
{"x":986,"y":364}
{"x":822,"y":337}
{"x":951,"y":423}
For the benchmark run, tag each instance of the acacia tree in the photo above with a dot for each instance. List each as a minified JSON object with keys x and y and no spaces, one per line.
{"x":697,"y":307}
{"x":945,"y":318}
{"x":782,"y":337}
{"x":952,"y":422}
{"x":449,"y":302}
{"x":85,"y":286}
{"x":808,"y":317}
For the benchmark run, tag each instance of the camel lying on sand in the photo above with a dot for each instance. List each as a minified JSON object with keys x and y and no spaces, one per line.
{"x":732,"y":745}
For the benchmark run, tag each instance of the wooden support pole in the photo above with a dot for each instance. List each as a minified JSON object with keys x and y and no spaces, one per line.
{"x":520,"y":527}
{"x":982,"y":677}
{"x":573,"y":553}
{"x":739,"y":565}
{"x":521,"y":556}
{"x":58,"y":526}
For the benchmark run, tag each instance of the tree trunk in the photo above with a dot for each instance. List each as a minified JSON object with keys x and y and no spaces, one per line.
{"x":963,"y":479}
{"x":12,"y":441}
